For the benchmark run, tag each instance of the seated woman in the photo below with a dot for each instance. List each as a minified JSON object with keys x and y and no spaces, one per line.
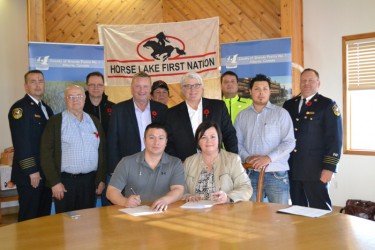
{"x":214,"y":173}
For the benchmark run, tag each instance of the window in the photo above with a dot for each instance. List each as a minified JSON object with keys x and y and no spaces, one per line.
{"x":359,"y":93}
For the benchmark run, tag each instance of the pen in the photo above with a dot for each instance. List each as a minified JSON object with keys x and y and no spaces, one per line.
{"x":131,"y":189}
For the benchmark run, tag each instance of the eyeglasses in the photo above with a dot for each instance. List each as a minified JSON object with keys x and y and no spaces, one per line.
{"x":192,"y":86}
{"x":75,"y":97}
{"x":91,"y":86}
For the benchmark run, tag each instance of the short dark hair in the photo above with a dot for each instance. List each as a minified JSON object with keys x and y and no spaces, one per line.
{"x":95,"y":73}
{"x":230,"y":73}
{"x":260,"y":78}
{"x":155,"y":125}
{"x":312,"y":70}
{"x":33,"y":71}
{"x":202,"y":128}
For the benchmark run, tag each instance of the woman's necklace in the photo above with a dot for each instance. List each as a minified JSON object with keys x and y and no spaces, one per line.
{"x":209,"y":162}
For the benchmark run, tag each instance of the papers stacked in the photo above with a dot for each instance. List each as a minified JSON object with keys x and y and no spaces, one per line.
{"x":304,"y":211}
{"x":198,"y":204}
{"x":140,"y":211}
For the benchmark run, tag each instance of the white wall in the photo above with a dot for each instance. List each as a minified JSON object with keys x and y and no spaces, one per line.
{"x":13,"y":60}
{"x":325,"y":22}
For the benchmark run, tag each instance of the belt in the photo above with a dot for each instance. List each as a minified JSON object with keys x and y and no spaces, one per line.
{"x":69,"y":175}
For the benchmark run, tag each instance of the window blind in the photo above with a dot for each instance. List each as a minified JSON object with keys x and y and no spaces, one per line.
{"x":360,"y":64}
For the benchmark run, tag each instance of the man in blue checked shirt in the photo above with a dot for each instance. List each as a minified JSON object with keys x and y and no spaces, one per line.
{"x":73,"y":155}
{"x":265,"y":138}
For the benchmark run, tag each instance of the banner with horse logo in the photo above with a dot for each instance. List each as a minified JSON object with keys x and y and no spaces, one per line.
{"x":165,"y":51}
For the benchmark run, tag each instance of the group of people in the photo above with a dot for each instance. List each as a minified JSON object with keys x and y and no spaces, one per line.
{"x":140,"y":151}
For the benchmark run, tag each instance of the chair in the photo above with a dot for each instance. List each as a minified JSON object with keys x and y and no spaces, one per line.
{"x":7,"y":195}
{"x":260,"y":180}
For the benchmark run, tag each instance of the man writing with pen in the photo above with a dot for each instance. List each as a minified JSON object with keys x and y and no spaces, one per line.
{"x":148,"y":176}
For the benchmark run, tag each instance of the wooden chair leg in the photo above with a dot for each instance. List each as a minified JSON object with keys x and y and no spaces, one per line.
{"x":260,"y":180}
{"x":260,"y":185}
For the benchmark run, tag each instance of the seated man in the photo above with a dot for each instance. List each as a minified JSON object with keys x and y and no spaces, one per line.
{"x":148,"y":176}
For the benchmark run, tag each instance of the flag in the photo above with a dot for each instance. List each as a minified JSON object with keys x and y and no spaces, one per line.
{"x":164,"y":51}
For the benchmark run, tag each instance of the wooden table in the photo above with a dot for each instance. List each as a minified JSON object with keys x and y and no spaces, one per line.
{"x":244,"y":225}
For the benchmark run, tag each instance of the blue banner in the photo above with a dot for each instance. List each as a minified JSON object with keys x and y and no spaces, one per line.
{"x":269,"y":57}
{"x":66,"y":62}
{"x":63,"y":65}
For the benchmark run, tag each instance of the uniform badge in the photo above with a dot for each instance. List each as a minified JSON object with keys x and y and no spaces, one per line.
{"x":336,"y":110}
{"x":37,"y":116}
{"x":17,"y":113}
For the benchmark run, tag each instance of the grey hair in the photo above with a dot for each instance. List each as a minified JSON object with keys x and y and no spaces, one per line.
{"x":73,"y":86}
{"x":191,"y":75}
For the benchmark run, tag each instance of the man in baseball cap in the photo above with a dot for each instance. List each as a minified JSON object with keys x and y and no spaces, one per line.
{"x":160,"y":92}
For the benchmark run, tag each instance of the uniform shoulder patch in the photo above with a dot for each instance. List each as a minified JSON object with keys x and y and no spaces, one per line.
{"x":17,"y":113}
{"x":336,"y":110}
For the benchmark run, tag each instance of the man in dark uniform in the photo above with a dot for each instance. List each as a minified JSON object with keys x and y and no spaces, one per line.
{"x":97,"y":102}
{"x":318,"y":132}
{"x":27,"y":118}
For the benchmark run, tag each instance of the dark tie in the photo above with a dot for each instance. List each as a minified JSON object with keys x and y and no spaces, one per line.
{"x":303,"y":106}
{"x":40,"y":106}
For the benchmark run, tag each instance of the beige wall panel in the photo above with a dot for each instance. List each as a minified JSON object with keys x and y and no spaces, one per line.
{"x":292,"y":27}
{"x":75,"y":21}
{"x":240,"y":20}
{"x":36,"y":18}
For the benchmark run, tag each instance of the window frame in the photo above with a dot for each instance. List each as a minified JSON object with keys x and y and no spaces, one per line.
{"x":347,"y":105}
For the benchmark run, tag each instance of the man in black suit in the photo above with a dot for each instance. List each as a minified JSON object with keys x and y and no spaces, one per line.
{"x":129,"y":120}
{"x":318,"y":132}
{"x":27,"y":119}
{"x":184,"y":118}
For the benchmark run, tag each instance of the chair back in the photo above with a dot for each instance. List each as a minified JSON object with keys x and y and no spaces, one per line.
{"x":260,"y":180}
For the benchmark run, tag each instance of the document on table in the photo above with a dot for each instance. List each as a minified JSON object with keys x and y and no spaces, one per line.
{"x":304,"y":211}
{"x":198,"y":204}
{"x":140,"y":211}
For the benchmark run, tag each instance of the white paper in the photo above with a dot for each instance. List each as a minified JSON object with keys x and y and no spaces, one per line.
{"x":140,"y":211}
{"x":198,"y":204}
{"x":304,"y":211}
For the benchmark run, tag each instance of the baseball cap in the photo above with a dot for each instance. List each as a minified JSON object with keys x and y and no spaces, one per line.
{"x":159,"y":84}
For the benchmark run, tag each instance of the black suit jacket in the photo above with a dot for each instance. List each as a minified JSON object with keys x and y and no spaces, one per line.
{"x":181,"y":142}
{"x":27,"y":122}
{"x":318,"y":133}
{"x":123,"y":135}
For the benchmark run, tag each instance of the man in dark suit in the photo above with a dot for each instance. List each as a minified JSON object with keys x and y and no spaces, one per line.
{"x":27,"y":119}
{"x":184,"y":118}
{"x":129,"y":120}
{"x":318,"y":132}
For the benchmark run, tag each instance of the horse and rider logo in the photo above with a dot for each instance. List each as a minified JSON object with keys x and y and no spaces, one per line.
{"x":163,"y":47}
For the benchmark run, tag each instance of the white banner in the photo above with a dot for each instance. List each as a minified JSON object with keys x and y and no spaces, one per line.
{"x":165,"y":51}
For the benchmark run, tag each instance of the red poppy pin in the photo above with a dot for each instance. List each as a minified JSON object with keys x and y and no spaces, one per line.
{"x":154,"y":114}
{"x":308,"y":104}
{"x":109,"y":110}
{"x":206,"y":112}
{"x":96,"y":134}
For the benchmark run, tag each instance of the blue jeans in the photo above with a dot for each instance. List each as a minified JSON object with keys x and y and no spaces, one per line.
{"x":275,"y":186}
